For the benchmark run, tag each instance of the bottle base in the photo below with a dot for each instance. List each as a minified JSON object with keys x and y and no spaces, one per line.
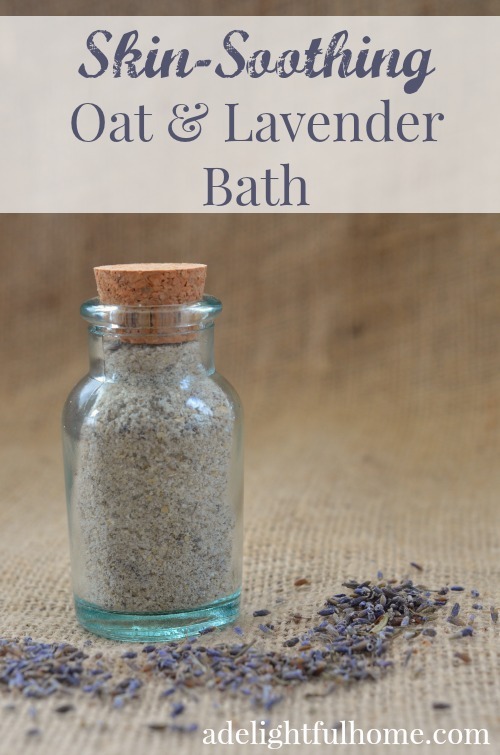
{"x":156,"y":627}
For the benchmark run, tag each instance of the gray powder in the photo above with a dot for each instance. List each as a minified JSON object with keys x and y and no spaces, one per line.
{"x":153,"y":520}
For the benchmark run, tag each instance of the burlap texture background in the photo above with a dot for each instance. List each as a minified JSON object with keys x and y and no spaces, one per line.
{"x":366,"y":350}
{"x":251,"y":7}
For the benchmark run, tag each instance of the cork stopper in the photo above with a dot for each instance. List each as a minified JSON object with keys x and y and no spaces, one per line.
{"x":150,"y":284}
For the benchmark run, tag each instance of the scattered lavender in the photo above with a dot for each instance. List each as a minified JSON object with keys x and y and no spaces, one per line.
{"x":64,"y":708}
{"x":407,"y":656}
{"x":40,"y":669}
{"x":348,"y":644}
{"x":158,"y":726}
{"x":177,"y":709}
{"x":301,"y":582}
{"x":182,"y":728}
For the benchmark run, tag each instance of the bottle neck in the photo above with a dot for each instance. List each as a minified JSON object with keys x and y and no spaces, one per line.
{"x":151,"y":343}
{"x":115,"y":358}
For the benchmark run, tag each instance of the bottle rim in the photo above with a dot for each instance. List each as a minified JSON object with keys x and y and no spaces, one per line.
{"x":155,"y":319}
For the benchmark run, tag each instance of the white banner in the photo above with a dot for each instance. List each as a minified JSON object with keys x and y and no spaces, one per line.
{"x":249,"y":114}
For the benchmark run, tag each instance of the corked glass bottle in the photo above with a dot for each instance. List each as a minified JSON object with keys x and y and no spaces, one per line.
{"x":153,"y":459}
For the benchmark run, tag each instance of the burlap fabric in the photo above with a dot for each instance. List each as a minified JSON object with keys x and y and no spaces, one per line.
{"x":252,"y":7}
{"x":366,"y":351}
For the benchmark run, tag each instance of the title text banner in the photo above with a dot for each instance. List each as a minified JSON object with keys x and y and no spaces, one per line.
{"x":249,"y":114}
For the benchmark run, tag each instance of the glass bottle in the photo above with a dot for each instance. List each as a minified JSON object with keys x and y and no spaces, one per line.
{"x":154,"y":475}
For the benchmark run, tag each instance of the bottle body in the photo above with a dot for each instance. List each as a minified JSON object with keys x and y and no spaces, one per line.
{"x":154,"y":472}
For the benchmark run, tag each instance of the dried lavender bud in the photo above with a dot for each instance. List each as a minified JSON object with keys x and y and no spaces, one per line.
{"x":177,"y":709}
{"x":183,"y":728}
{"x":64,"y":708}
{"x":261,"y":612}
{"x":441,"y":706}
{"x":455,"y":610}
{"x":168,"y":692}
{"x":416,"y":566}
{"x":407,"y":657}
{"x":494,"y":614}
{"x":34,"y":732}
{"x":293,"y":675}
{"x":457,"y":588}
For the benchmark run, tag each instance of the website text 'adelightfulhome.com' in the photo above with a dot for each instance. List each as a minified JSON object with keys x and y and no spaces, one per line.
{"x":343,"y":733}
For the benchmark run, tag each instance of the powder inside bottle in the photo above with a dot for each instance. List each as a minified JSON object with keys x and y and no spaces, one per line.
{"x":153,"y":520}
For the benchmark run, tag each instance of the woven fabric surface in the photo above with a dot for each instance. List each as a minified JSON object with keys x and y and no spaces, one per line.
{"x":253,"y":7}
{"x":366,"y":350}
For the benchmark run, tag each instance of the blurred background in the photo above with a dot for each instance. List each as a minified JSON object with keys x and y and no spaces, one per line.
{"x":365,"y":348}
{"x":399,"y":312}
